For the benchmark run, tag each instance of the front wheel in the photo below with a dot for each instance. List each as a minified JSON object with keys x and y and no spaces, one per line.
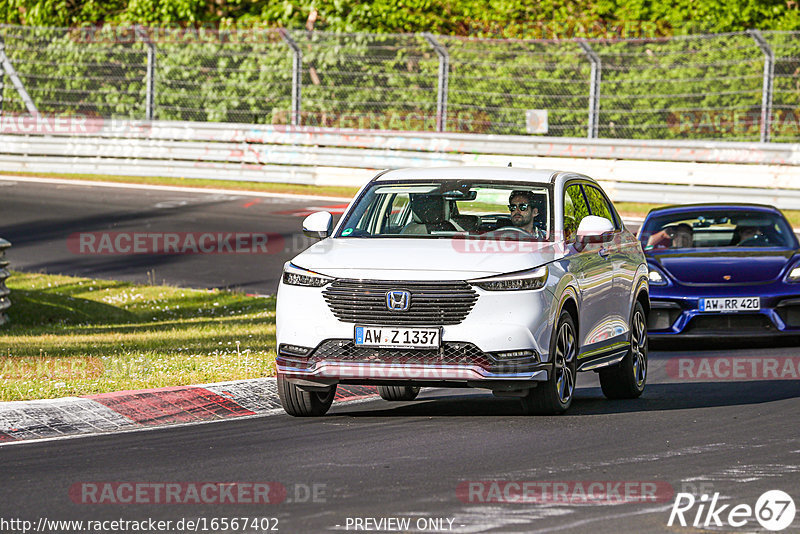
{"x":301,"y":403}
{"x":626,"y":380}
{"x":398,"y":393}
{"x":554,"y":396}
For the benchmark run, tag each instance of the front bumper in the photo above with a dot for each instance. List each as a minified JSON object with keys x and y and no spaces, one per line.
{"x":338,"y":360}
{"x":678,"y":316}
{"x":471,"y":348}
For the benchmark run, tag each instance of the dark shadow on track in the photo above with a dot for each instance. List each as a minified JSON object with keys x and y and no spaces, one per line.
{"x":590,"y":401}
{"x":35,"y":232}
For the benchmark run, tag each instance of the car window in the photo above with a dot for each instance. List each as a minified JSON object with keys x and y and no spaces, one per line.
{"x":716,"y":228}
{"x":396,"y":213}
{"x":454,"y":208}
{"x":599,"y":205}
{"x":575,"y":209}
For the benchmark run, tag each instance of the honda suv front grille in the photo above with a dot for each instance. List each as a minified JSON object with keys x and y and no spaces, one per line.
{"x":429,"y":303}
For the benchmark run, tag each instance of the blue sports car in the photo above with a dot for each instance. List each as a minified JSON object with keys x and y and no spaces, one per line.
{"x":721,"y":269}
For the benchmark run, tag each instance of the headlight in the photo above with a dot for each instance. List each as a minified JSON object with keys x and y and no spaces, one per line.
{"x":794,"y":275}
{"x":656,"y":278}
{"x":532,"y":279}
{"x":296,"y":276}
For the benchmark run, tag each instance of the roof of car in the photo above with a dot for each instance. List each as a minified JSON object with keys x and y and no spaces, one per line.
{"x":678,"y":208}
{"x":512,"y":174}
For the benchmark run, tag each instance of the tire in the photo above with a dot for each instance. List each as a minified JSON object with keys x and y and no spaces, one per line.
{"x":398,"y":393}
{"x":301,"y":403}
{"x":627,"y":379}
{"x":554,"y":396}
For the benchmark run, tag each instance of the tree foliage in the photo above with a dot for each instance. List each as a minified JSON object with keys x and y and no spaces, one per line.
{"x":511,"y":18}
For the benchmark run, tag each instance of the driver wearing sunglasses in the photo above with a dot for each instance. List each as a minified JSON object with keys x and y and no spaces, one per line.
{"x":523,"y":212}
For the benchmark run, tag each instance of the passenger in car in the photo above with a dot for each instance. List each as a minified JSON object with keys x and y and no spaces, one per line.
{"x":682,"y":236}
{"x":673,"y":236}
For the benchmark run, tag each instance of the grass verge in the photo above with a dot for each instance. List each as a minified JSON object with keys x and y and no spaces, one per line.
{"x":77,"y":336}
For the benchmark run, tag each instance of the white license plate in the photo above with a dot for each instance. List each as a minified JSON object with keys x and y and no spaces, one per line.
{"x":730,"y":304}
{"x":395,"y":337}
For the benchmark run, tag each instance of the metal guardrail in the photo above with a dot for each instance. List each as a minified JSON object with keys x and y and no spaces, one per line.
{"x":5,"y":302}
{"x":435,"y":142}
{"x":637,"y":170}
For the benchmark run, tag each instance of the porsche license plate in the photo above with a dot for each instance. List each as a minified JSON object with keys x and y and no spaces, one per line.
{"x":730,"y":304}
{"x":396,"y":337}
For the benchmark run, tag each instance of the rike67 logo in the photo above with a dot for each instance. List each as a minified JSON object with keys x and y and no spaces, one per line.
{"x":774,"y":510}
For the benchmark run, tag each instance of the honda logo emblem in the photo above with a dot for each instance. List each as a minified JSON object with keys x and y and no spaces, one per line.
{"x":398,"y":300}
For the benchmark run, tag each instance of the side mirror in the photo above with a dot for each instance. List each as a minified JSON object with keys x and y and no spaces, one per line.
{"x":594,"y":229}
{"x":318,"y":225}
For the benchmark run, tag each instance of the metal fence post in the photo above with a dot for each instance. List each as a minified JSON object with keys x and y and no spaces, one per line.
{"x":150,"y":78}
{"x":766,"y":90}
{"x":8,"y":68}
{"x":297,"y":79}
{"x":444,"y":76}
{"x":594,"y":88}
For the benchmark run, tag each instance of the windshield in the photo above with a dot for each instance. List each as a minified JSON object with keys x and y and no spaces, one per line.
{"x":716,"y":228}
{"x":451,"y":209}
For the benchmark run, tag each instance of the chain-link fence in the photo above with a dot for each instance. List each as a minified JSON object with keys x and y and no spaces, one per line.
{"x":738,"y":86}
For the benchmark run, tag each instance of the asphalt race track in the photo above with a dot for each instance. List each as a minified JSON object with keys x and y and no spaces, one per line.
{"x":408,"y":460}
{"x":711,"y":422}
{"x":38,"y":219}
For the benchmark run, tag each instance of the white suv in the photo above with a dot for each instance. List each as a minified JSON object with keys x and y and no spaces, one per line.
{"x":499,"y":278}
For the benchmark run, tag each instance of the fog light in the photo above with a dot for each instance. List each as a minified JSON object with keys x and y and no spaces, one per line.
{"x":515,"y":354}
{"x":293,"y":350}
{"x":659,"y":320}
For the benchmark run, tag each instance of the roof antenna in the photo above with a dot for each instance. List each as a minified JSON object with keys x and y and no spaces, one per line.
{"x":509,"y":164}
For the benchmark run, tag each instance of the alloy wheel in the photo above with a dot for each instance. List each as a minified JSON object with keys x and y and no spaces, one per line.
{"x":564,"y":355}
{"x":639,"y":348}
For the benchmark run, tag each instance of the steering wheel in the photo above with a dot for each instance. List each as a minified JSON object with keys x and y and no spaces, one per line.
{"x":755,"y":241}
{"x":504,"y":229}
